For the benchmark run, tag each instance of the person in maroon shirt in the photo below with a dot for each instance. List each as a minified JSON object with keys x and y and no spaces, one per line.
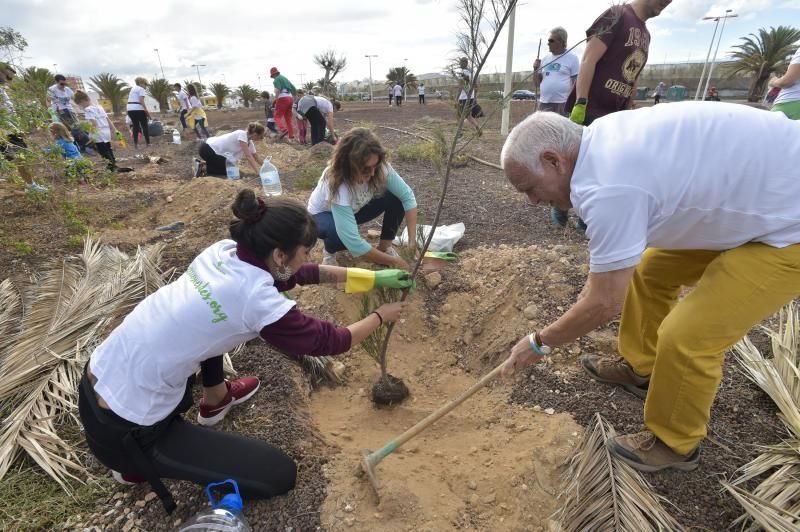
{"x":616,"y":52}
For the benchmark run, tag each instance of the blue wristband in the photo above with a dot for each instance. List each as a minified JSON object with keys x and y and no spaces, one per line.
{"x":534,"y":346}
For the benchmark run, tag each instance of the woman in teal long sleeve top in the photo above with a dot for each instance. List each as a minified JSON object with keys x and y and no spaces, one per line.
{"x":358,"y":186}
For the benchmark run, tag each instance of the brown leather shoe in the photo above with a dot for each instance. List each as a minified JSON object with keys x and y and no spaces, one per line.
{"x":643,"y":451}
{"x":615,"y":371}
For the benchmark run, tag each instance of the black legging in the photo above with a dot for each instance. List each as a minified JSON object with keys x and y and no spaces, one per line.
{"x":139,"y":119}
{"x":184,"y":451}
{"x":215,"y":163}
{"x":107,"y":153}
{"x":317,"y":121}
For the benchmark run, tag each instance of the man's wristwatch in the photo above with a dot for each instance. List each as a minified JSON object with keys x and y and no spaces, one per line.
{"x":538,"y":345}
{"x":581,"y":101}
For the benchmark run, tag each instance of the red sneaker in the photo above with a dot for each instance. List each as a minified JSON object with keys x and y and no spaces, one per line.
{"x":128,"y":480}
{"x":239,"y":391}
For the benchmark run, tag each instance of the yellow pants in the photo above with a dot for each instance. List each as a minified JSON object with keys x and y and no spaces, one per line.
{"x":682,"y":344}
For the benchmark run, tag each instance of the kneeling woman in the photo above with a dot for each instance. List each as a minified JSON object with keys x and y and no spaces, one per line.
{"x":358,"y":186}
{"x":138,"y":381}
{"x":232,"y":146}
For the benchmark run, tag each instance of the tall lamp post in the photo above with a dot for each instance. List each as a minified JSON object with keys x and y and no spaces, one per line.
{"x":711,"y":45}
{"x":405,"y":72}
{"x":200,"y":81}
{"x":370,"y":75}
{"x":159,"y":63}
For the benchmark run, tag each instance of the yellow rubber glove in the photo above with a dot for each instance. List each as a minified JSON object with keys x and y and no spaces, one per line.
{"x":578,"y":114}
{"x":361,"y":280}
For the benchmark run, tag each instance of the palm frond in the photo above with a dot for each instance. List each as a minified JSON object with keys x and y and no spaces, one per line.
{"x":71,"y":308}
{"x":776,"y":500}
{"x":10,"y":316}
{"x":601,"y":493}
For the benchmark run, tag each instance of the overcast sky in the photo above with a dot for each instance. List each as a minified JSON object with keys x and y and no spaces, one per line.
{"x":240,"y":40}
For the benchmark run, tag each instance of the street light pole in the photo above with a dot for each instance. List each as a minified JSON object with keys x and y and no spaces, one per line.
{"x":370,"y":75}
{"x":714,"y":59}
{"x":405,"y":71}
{"x":200,"y":81}
{"x":159,"y":63}
{"x":705,"y":65}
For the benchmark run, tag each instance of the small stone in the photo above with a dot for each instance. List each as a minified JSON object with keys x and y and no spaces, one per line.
{"x":347,"y":437}
{"x":338,"y":368}
{"x":536,"y":408}
{"x":348,"y":508}
{"x":169,"y":199}
{"x":575,"y":350}
{"x":474,"y":499}
{"x":177,"y":522}
{"x":473,"y":450}
{"x":128,"y":526}
{"x":530,"y":312}
{"x":433,"y":280}
{"x":472,"y":485}
{"x":373,"y":233}
{"x":490,"y":499}
{"x":524,"y":487}
{"x":468,"y":337}
{"x":477,"y":330}
{"x":349,"y":521}
{"x":140,"y":504}
{"x":549,"y":411}
{"x":149,"y":497}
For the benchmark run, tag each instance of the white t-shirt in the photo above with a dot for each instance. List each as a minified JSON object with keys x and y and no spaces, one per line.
{"x":183,"y":99}
{"x":792,"y":93}
{"x":62,"y":98}
{"x":354,"y":197}
{"x":465,"y":75}
{"x":421,"y":90}
{"x":323,"y":104}
{"x":133,"y":98}
{"x":397,"y":90}
{"x":194,"y":101}
{"x":557,"y":77}
{"x":98,"y":114}
{"x":217,"y":304}
{"x":5,"y":101}
{"x":228,"y":145}
{"x":720,"y":175}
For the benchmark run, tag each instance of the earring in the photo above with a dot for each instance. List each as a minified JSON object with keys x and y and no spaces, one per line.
{"x":283,"y":273}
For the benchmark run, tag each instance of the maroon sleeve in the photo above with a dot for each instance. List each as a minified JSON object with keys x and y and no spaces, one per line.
{"x":297,"y":334}
{"x":605,"y":26}
{"x":307,"y":274}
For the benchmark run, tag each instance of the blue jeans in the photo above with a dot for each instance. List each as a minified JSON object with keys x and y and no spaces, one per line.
{"x":201,"y":122}
{"x":388,"y":205}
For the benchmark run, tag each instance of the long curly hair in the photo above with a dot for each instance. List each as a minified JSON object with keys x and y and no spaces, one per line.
{"x":350,"y":158}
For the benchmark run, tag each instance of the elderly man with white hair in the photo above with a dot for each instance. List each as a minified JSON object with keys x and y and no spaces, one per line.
{"x":712,"y":206}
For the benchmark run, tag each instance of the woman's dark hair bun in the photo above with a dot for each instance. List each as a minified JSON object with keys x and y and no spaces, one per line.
{"x":245,"y":206}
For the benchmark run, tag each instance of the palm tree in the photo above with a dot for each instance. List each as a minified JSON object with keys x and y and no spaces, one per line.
{"x":403,"y":76}
{"x":248,"y":94}
{"x":762,"y":55}
{"x":309,"y":86}
{"x":198,"y":87}
{"x":112,"y":88}
{"x":220,"y":92}
{"x":37,"y":80}
{"x":161,"y":90}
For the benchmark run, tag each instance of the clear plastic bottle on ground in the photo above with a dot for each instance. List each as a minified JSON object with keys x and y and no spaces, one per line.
{"x":225,"y":516}
{"x":231,"y":167}
{"x":270,"y":181}
{"x":176,"y":136}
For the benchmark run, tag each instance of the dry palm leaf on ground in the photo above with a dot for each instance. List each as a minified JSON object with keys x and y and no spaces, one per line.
{"x":47,"y":340}
{"x":604,"y":494}
{"x":775,"y":503}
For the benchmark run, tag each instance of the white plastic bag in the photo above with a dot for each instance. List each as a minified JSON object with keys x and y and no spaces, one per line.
{"x":444,"y":238}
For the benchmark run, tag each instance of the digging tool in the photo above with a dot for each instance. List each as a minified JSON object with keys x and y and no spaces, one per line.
{"x":536,"y":79}
{"x":370,"y":460}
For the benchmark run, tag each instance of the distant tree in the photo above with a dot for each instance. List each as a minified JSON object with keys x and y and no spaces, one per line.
{"x":762,"y":55}
{"x":37,"y":80}
{"x":310,"y":86}
{"x":112,"y":88}
{"x":201,"y":89}
{"x":220,"y":92}
{"x":161,"y":90}
{"x":248,"y":94}
{"x":12,"y":44}
{"x":403,"y":76}
{"x":332,"y":65}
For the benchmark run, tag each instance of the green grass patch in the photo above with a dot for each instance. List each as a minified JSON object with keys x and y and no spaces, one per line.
{"x":420,"y":151}
{"x":308,"y":177}
{"x":76,"y":217}
{"x":117,"y":225}
{"x":34,"y":501}
{"x":21,"y":247}
{"x":365,"y":124}
{"x":75,"y":241}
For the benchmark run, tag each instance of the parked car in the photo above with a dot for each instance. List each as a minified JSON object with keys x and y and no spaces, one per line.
{"x":523,"y":95}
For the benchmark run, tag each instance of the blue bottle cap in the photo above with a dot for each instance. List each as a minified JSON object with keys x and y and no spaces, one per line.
{"x":231,"y":501}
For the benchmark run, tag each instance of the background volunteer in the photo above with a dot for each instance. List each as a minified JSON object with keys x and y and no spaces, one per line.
{"x":215,"y":151}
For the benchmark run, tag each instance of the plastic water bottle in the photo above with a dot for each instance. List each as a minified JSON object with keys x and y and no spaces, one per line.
{"x":225,"y":516}
{"x":176,"y":137}
{"x":231,"y":167}
{"x":270,"y":181}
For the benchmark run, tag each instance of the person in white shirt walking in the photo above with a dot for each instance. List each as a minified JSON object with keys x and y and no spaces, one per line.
{"x":138,"y":382}
{"x":466,"y":102}
{"x":558,"y":76}
{"x":421,"y":93}
{"x":788,"y":100}
{"x":397,"y":92}
{"x":60,"y":96}
{"x":687,"y":211}
{"x":183,"y":102}
{"x":137,"y":111}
